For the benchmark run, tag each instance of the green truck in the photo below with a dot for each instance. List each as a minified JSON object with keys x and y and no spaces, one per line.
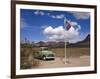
{"x":44,"y":54}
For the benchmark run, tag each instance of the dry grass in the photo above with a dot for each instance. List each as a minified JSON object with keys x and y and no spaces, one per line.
{"x":71,"y":52}
{"x":27,"y":60}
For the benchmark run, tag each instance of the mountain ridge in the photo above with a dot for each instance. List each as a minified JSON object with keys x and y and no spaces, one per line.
{"x":52,"y":44}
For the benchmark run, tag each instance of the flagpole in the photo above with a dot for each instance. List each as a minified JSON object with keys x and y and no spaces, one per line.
{"x":65,"y":43}
{"x":65,"y":52}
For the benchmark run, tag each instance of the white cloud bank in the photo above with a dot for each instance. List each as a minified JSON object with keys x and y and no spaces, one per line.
{"x":60,"y":34}
{"x":81,"y":15}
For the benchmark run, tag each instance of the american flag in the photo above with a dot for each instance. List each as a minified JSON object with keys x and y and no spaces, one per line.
{"x":67,"y":24}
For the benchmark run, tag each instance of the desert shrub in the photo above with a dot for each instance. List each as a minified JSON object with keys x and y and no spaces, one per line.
{"x":27,"y":58}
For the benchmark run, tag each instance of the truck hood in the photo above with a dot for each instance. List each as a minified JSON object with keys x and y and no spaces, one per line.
{"x":47,"y":52}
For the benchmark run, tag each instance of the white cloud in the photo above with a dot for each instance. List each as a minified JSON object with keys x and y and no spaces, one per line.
{"x":50,"y":30}
{"x":42,"y":13}
{"x":48,"y":14}
{"x":60,"y":16}
{"x":53,"y":16}
{"x":81,"y":15}
{"x":60,"y":34}
{"x":57,"y":16}
{"x":39,"y":12}
{"x":36,"y":12}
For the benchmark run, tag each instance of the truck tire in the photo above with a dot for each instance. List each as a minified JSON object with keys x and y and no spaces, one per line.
{"x":44,"y":57}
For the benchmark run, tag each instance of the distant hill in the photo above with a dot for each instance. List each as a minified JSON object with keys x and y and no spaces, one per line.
{"x":83,"y":43}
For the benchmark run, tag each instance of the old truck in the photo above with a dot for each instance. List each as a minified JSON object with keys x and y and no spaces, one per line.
{"x":44,"y":54}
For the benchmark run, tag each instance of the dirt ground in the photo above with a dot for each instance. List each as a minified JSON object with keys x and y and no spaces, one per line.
{"x":60,"y":62}
{"x":76,"y":57}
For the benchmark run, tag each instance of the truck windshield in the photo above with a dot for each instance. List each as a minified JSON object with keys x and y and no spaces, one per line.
{"x":45,"y":49}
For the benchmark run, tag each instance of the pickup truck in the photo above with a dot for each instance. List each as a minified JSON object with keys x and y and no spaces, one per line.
{"x":45,"y":54}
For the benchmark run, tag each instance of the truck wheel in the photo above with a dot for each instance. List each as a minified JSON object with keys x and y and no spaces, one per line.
{"x":44,"y":57}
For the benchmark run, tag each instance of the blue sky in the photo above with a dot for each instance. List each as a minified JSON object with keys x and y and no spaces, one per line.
{"x":34,"y":22}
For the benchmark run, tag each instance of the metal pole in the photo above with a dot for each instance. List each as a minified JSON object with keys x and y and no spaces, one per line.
{"x":65,"y":41}
{"x":65,"y":52}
